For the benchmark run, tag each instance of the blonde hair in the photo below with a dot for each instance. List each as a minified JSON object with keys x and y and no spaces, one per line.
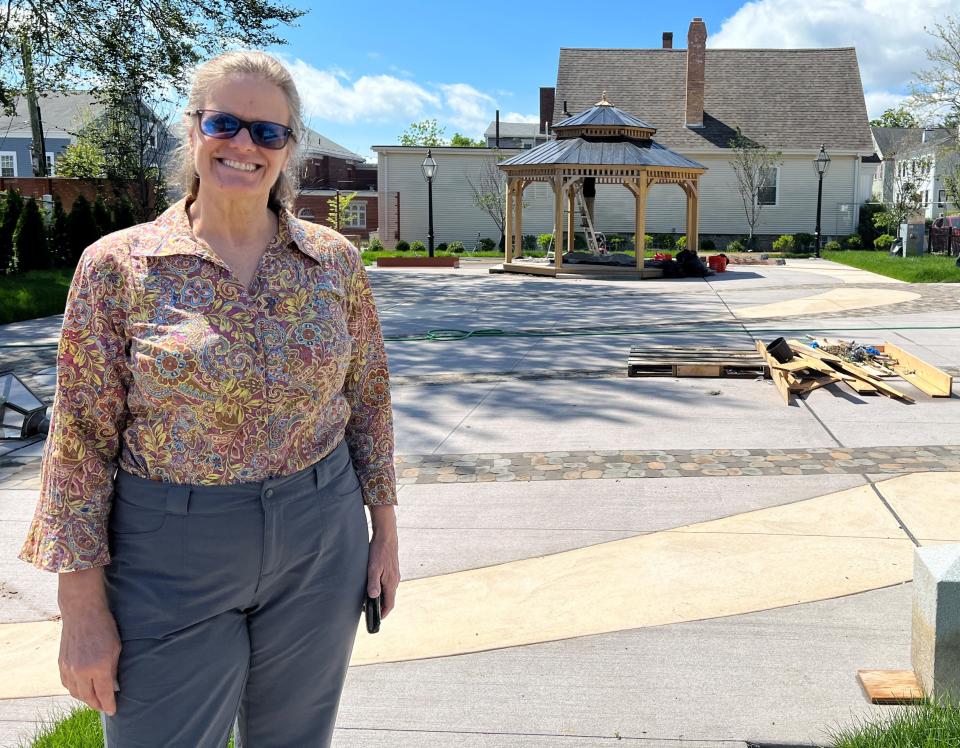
{"x":261,"y":65}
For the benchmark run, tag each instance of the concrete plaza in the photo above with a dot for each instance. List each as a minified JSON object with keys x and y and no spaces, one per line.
{"x":590,"y":558}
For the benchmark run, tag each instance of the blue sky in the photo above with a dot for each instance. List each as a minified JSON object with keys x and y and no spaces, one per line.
{"x":366,"y":70}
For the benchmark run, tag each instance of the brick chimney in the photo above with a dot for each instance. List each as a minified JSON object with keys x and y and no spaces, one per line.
{"x":696,"y":59}
{"x":547,"y":95}
{"x":668,"y":40}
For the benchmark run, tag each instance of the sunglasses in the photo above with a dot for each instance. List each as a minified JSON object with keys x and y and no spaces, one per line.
{"x":223,"y":126}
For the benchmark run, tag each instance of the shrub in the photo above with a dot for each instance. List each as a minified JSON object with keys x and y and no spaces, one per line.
{"x":853,"y":242}
{"x":866,"y":228}
{"x":785,"y":243}
{"x":487,"y":244}
{"x":832,"y":246}
{"x":81,"y":228}
{"x":663,"y":241}
{"x":529,"y":241}
{"x":616,"y":241}
{"x":735,"y":246}
{"x":803,"y":240}
{"x":102,"y":217}
{"x":402,"y":246}
{"x":442,"y":247}
{"x":58,"y":237}
{"x":375,"y":245}
{"x":10,"y":212}
{"x":579,"y":241}
{"x":682,"y":242}
{"x":883,"y":242}
{"x":123,"y":214}
{"x":708,"y":245}
{"x":544,"y":241}
{"x":457,"y":247}
{"x":418,"y":247}
{"x":30,"y":240}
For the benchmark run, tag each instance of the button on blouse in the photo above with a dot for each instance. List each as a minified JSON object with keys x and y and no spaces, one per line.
{"x":171,"y":369}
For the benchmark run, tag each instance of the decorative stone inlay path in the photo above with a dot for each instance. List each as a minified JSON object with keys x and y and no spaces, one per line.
{"x":676,"y":463}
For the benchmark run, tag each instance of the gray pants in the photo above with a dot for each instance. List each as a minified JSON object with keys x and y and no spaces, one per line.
{"x":235,"y":602}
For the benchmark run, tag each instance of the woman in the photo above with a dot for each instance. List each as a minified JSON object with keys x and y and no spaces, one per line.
{"x":228,"y":359}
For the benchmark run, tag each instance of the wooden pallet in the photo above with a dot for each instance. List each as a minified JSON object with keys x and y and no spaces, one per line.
{"x":655,"y":361}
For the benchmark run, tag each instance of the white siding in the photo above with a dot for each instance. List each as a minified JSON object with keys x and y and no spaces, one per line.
{"x":721,"y":208}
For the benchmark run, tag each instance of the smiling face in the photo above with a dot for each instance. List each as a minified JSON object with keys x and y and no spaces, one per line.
{"x":237,"y":168}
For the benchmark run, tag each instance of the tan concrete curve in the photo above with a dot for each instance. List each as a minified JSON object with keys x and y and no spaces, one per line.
{"x":839,"y":544}
{"x":834,"y":300}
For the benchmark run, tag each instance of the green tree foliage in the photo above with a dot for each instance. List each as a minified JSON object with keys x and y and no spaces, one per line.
{"x":123,"y":216}
{"x":101,"y":216}
{"x":935,"y":90}
{"x":752,"y":164}
{"x":81,"y":229}
{"x":58,"y":236}
{"x":10,"y":212}
{"x":337,"y":209}
{"x":30,"y":240}
{"x":462,"y":141}
{"x":898,"y":117}
{"x":866,"y":227}
{"x":83,"y":159}
{"x":426,"y":132}
{"x":883,"y":242}
{"x":784,"y":243}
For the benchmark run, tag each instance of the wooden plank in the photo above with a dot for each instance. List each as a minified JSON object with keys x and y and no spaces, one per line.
{"x":779,"y":377}
{"x":891,"y":686}
{"x":851,"y":369}
{"x":697,"y":370}
{"x":922,"y":375}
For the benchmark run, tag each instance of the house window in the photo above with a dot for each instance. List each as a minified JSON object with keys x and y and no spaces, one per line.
{"x":941,"y":197}
{"x":355,"y":216}
{"x":152,"y":138}
{"x":51,"y":164}
{"x":306,"y":214}
{"x":8,"y":164}
{"x":926,"y":197}
{"x":767,"y":192}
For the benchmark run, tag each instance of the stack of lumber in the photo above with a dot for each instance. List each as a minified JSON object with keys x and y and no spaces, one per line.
{"x":693,"y":361}
{"x":818,"y":364}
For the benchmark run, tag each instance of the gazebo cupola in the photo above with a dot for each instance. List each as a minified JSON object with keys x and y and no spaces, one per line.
{"x":600,"y":145}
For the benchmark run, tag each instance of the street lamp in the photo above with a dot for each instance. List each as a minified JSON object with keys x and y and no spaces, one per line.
{"x":820,"y":164}
{"x":429,"y":172}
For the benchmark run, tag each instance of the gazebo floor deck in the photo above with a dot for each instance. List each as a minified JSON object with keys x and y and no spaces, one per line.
{"x":578,"y":270}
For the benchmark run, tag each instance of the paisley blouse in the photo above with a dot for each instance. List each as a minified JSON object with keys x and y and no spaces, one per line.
{"x":170,"y":368}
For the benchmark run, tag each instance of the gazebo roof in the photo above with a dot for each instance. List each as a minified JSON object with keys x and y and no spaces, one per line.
{"x":603,"y":115}
{"x":582,"y":152}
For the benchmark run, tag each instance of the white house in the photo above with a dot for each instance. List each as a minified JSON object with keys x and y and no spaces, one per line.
{"x":791,"y":101}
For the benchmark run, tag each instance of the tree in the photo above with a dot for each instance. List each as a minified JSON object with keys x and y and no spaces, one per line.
{"x":935,"y":91}
{"x":462,"y":141}
{"x":30,"y":240}
{"x":101,"y":216}
{"x":9,"y":215}
{"x":899,"y":117}
{"x":752,"y":164}
{"x":123,"y":216}
{"x":489,"y":189}
{"x":337,"y":209}
{"x":83,"y":159}
{"x":58,"y":236}
{"x":907,"y":200}
{"x":81,"y":229}
{"x":426,"y":132}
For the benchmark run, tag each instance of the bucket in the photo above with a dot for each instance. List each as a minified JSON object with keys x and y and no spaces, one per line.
{"x":780,"y":350}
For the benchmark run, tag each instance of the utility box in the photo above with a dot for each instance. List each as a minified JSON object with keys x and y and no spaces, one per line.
{"x":913,"y":238}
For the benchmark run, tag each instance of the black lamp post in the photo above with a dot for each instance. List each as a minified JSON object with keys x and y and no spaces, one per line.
{"x":429,"y":172}
{"x":820,"y":164}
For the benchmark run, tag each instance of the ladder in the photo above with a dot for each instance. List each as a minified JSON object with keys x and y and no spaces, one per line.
{"x":587,"y":226}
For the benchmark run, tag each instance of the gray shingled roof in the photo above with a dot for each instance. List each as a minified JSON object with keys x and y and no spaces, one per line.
{"x":603,"y":115}
{"x":514,"y":130}
{"x":314,"y":142}
{"x":899,"y":140}
{"x":780,"y":98}
{"x":61,"y":113}
{"x":581,"y":152}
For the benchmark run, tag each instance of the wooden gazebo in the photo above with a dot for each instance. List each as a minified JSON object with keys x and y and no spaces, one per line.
{"x":601,"y":145}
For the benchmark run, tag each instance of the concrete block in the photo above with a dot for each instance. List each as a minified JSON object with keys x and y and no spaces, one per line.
{"x":935,"y":648}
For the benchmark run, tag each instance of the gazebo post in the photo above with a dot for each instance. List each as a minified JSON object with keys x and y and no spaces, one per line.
{"x":692,"y":217}
{"x":558,"y":222}
{"x":641,"y":196}
{"x":508,"y":223}
{"x":570,"y":217}
{"x":518,"y":215}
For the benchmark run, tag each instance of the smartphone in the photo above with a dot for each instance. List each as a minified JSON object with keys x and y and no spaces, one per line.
{"x":372,"y":609}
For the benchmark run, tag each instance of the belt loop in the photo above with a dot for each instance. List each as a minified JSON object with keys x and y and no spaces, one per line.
{"x":178,"y":499}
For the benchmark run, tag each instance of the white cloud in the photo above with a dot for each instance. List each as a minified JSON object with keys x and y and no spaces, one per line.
{"x":880,"y":101}
{"x":331,"y":95}
{"x":515,"y":117}
{"x":888,"y":34}
{"x":469,"y":108}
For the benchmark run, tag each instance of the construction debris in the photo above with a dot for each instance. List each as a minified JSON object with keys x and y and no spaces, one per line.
{"x":798,"y":367}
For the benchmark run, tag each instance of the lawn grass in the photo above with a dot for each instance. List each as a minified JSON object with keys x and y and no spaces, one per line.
{"x":927,"y":725}
{"x":370,"y":258}
{"x":925,"y":269}
{"x":79,"y":728}
{"x":38,"y":293}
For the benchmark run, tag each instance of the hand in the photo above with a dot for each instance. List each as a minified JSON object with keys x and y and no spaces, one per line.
{"x":383,"y":566}
{"x":89,"y":643}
